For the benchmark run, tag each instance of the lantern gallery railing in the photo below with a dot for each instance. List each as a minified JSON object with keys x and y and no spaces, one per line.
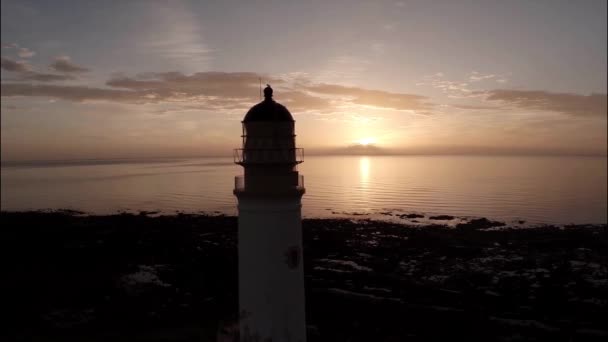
{"x":269,"y":155}
{"x":239,"y":183}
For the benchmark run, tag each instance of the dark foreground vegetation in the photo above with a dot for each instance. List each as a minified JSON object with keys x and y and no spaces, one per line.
{"x":131,"y":277}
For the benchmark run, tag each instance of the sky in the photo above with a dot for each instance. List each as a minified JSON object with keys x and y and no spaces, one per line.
{"x":137,"y":79}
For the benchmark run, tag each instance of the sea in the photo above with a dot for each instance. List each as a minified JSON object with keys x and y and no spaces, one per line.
{"x":512,"y":189}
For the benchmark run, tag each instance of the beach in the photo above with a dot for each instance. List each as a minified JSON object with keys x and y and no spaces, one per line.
{"x":153,"y":277}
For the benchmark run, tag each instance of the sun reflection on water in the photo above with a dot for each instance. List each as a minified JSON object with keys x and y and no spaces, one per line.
{"x":364,"y":166}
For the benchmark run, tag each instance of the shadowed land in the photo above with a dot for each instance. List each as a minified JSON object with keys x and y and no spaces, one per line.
{"x":141,"y":278}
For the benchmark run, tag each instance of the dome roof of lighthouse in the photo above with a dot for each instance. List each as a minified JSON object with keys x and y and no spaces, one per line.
{"x":268,"y":110}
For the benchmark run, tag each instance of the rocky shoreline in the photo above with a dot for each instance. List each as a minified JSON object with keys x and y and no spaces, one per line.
{"x":146,"y":277}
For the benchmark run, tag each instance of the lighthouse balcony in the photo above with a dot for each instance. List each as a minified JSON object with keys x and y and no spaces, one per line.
{"x":250,"y":156}
{"x":278,"y":186}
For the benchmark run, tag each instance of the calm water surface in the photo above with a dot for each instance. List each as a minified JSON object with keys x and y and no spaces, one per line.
{"x":536,"y":189}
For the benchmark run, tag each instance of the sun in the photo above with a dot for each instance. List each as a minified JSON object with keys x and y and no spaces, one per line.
{"x":366,"y":141}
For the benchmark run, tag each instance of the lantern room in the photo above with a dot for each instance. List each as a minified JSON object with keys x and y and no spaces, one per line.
{"x":268,"y":154}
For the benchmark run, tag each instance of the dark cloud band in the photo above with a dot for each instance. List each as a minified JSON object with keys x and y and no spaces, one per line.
{"x":216,"y":90}
{"x":594,"y":105}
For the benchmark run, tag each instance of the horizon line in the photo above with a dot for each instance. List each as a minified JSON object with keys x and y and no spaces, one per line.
{"x":111,"y":160}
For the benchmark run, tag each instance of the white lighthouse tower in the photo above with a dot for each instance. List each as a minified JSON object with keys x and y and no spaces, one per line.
{"x":271,"y":277}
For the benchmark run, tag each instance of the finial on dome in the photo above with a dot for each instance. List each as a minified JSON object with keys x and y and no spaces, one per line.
{"x":268,"y":92}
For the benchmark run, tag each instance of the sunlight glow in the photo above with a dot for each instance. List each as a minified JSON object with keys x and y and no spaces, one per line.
{"x":366,"y":141}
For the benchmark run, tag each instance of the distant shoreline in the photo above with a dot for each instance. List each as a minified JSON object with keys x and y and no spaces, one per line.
{"x":136,"y":160}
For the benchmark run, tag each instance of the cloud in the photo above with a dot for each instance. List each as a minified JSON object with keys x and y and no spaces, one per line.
{"x":236,"y":84}
{"x":302,"y":101}
{"x":202,"y":90}
{"x":25,"y":72}
{"x":14,"y":66}
{"x":71,"y":93}
{"x":453,"y":89}
{"x":221,"y":91}
{"x":375,"y":98}
{"x":64,"y":64}
{"x":203,"y":87}
{"x":594,"y":105}
{"x":476,"y":76}
{"x":25,"y":53}
{"x":475,"y":107}
{"x":42,"y":77}
{"x":460,"y":89}
{"x":216,"y":89}
{"x":21,"y":52}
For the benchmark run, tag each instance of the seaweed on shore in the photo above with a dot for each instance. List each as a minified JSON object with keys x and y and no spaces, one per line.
{"x":174,"y":277}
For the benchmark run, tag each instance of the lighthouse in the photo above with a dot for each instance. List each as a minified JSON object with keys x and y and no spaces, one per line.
{"x":269,"y":193}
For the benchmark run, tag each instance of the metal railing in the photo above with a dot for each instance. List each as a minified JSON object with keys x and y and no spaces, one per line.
{"x":300,"y":181}
{"x":239,"y":182}
{"x":268,"y":155}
